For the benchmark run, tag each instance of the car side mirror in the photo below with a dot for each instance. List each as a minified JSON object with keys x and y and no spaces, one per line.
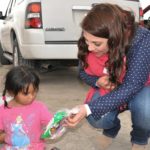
{"x":1,"y":15}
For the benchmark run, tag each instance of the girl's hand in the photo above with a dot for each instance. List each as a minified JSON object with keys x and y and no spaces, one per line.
{"x":104,"y":82}
{"x":74,"y":119}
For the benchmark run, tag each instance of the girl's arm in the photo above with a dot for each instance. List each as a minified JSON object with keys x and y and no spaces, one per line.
{"x":2,"y":137}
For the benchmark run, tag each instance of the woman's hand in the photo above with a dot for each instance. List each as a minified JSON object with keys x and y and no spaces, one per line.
{"x":104,"y":82}
{"x":74,"y":119}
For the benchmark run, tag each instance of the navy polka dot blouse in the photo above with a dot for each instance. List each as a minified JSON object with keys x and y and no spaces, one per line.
{"x":137,"y":74}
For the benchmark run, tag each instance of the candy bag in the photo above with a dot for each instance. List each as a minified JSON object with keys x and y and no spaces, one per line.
{"x":54,"y":128}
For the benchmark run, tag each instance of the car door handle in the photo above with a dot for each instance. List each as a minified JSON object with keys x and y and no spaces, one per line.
{"x":10,"y":17}
{"x":81,"y":8}
{"x":4,"y":22}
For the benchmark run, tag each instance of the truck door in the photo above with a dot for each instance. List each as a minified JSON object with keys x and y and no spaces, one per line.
{"x":61,"y":19}
{"x":6,"y":27}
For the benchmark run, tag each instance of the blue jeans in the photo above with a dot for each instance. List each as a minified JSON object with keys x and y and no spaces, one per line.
{"x":139,"y":107}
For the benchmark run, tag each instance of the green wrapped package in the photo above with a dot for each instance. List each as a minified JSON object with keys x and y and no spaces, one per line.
{"x":54,"y":128}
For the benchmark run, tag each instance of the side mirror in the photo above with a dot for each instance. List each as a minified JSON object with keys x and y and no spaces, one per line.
{"x":1,"y":15}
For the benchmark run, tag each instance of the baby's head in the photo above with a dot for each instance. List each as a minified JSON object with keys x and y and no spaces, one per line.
{"x":21,"y":80}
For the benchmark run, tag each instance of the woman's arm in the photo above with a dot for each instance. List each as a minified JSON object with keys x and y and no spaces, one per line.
{"x":88,"y":79}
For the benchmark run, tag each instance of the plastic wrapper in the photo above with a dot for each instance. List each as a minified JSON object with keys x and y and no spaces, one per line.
{"x":54,"y":128}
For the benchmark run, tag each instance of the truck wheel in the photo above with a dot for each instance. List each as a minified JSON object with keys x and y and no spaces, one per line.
{"x":3,"y":60}
{"x":18,"y":60}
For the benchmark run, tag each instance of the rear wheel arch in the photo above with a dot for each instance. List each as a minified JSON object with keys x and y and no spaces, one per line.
{"x":18,"y":60}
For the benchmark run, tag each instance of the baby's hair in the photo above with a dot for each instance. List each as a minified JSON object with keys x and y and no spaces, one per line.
{"x":18,"y":79}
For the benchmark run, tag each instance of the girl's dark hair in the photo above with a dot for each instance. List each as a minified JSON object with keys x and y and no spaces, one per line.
{"x":18,"y":79}
{"x":118,"y":26}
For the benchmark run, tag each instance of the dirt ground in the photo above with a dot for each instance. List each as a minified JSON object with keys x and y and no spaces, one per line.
{"x":61,"y":89}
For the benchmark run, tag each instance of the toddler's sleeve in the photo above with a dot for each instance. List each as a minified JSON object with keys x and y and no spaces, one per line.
{"x":1,"y":120}
{"x":45,"y":115}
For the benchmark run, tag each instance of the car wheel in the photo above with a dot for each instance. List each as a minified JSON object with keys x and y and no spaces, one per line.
{"x":18,"y":60}
{"x":3,"y":60}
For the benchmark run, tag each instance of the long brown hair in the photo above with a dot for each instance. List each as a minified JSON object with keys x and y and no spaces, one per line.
{"x":118,"y":26}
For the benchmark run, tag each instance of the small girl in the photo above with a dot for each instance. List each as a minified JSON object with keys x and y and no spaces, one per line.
{"x":23,"y":117}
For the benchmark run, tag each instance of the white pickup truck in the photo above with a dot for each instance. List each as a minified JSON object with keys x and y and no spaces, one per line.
{"x":36,"y":32}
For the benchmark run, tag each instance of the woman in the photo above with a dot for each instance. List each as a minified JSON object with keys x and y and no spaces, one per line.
{"x":108,"y":25}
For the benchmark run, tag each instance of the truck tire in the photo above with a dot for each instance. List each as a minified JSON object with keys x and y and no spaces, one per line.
{"x":3,"y":60}
{"x":18,"y":60}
